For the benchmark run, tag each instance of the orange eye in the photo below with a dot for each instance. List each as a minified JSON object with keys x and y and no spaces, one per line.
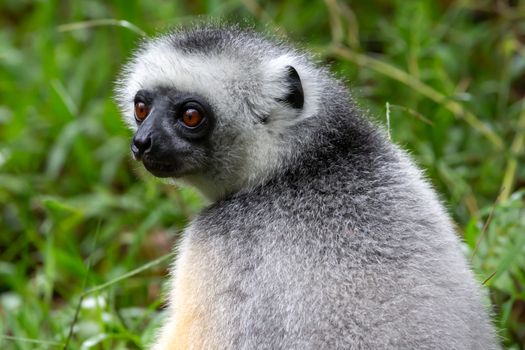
{"x":141,"y":111}
{"x":191,"y":117}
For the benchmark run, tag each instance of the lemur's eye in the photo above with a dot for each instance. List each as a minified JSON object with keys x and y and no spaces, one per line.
{"x":191,"y":117}
{"x":141,"y":111}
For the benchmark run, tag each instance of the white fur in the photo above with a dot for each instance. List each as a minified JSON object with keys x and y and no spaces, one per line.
{"x":239,"y":94}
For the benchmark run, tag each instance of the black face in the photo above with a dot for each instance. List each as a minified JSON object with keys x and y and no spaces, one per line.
{"x":173,"y":132}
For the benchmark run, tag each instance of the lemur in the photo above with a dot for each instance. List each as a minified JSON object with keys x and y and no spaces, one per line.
{"x":321,"y":233}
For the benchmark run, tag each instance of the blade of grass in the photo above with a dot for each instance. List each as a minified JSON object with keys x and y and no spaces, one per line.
{"x":388,"y":120}
{"x":257,"y":11}
{"x":84,"y":283}
{"x":101,"y":23}
{"x":517,"y":147}
{"x":32,"y":341}
{"x":65,"y":97}
{"x":485,"y":226}
{"x":341,"y":15}
{"x":131,"y":273}
{"x":397,"y":74}
{"x":413,"y":113}
{"x":488,"y":278}
{"x":513,"y":252}
{"x":336,"y":25}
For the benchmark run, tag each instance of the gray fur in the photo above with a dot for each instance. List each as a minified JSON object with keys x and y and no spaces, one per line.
{"x":322,"y":234}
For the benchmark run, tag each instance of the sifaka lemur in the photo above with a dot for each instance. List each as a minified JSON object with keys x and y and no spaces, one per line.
{"x":322,"y":234}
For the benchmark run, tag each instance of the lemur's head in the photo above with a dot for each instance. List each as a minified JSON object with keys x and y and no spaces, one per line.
{"x":215,"y":106}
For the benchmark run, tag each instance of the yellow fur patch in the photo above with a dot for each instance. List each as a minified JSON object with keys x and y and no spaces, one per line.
{"x":188,"y":323}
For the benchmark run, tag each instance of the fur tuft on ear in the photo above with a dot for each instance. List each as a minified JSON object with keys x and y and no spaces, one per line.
{"x":295,"y":95}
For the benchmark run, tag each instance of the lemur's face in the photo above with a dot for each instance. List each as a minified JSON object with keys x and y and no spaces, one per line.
{"x":212,"y":115}
{"x":173,"y":131}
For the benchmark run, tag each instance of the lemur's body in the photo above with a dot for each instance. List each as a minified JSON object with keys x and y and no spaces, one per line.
{"x":322,"y":233}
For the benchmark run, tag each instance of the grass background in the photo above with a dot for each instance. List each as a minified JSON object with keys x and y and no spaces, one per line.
{"x":85,"y":234}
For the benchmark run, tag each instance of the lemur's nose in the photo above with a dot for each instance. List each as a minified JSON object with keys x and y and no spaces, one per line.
{"x":141,"y":145}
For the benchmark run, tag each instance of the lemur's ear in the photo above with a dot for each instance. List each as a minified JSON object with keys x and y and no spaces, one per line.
{"x":295,"y":96}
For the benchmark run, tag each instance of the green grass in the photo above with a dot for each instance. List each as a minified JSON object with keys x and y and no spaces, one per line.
{"x":85,"y":234}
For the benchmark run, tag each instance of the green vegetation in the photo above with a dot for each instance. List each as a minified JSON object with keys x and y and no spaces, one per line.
{"x":77,"y":216}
